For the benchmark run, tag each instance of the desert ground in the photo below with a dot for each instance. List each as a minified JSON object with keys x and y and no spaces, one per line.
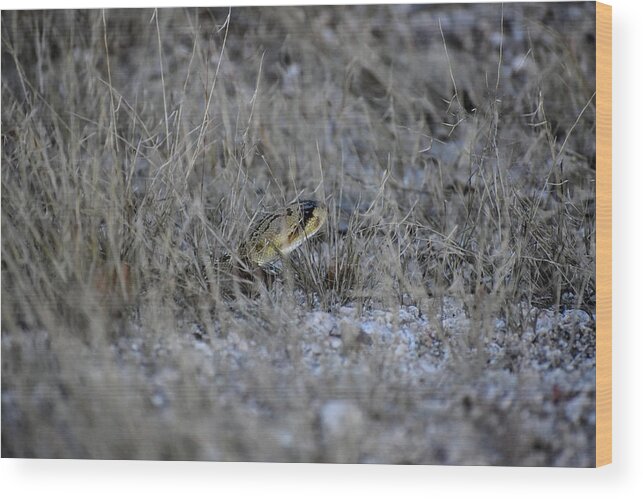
{"x":446,"y":313}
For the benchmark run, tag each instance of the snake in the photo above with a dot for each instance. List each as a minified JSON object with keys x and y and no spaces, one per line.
{"x":283,"y":231}
{"x":273,"y":237}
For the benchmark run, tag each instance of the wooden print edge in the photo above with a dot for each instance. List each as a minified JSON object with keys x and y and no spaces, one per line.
{"x":603,"y":234}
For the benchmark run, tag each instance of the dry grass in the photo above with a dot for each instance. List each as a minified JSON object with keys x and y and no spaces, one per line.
{"x":454,"y":147}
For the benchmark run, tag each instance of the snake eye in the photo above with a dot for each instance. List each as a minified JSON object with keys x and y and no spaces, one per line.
{"x":307,"y":208}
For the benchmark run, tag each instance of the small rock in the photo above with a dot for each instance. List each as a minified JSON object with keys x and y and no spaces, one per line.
{"x":316,"y":349}
{"x":576,"y":316}
{"x":340,"y":417}
{"x":342,"y":423}
{"x":335,"y":342}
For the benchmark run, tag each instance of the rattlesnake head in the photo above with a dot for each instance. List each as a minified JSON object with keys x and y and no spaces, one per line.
{"x":283,"y":231}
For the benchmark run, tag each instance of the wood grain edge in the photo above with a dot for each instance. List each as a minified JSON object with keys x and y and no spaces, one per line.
{"x":603,"y":234}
